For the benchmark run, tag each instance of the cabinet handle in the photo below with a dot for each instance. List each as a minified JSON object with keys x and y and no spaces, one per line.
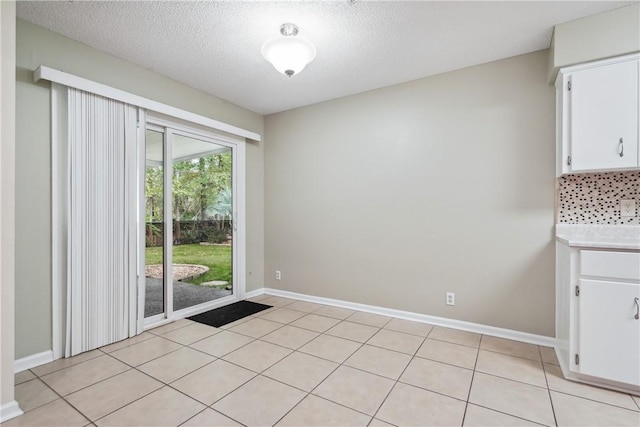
{"x":635,"y":301}
{"x":621,"y":150}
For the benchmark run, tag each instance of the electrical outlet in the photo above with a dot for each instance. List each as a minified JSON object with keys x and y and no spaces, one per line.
{"x":627,"y":208}
{"x":278,"y":275}
{"x":451,"y":298}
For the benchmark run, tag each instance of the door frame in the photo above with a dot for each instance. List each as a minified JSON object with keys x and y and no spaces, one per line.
{"x":172,"y":126}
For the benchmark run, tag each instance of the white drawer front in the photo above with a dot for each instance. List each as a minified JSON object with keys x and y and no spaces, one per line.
{"x":615,"y":265}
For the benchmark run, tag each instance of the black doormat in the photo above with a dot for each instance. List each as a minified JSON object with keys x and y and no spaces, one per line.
{"x":229,"y":313}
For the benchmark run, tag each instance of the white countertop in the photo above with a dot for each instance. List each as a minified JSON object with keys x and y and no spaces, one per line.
{"x":599,"y":236}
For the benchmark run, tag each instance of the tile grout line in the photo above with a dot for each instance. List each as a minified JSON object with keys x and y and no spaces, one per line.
{"x":383,"y":327}
{"x":69,"y":403}
{"x":323,"y":380}
{"x":225,"y":395}
{"x":263,"y":338}
{"x":339,"y":363}
{"x":47,"y":386}
{"x":181,"y":377}
{"x":452,"y":342}
{"x":198,"y":340}
{"x":260,"y":374}
{"x":253,"y":339}
{"x":97,"y":382}
{"x":292,"y":408}
{"x":65,"y":367}
{"x":424,"y":358}
{"x":150,"y":330}
{"x":595,"y":401}
{"x":64,"y":397}
{"x":510,"y":415}
{"x":151,"y":336}
{"x":251,"y":370}
{"x":497,"y":376}
{"x":119,"y":408}
{"x":150,"y":360}
{"x":162,"y":385}
{"x":228,"y":393}
{"x":281,"y":325}
{"x":401,"y":374}
{"x":511,"y":355}
{"x":512,"y":380}
{"x":193,"y":416}
{"x":544,"y":371}
{"x":368,"y":324}
{"x":60,"y":397}
{"x":237,"y":348}
{"x":337,"y":367}
{"x":578,"y":396}
{"x":473,"y":375}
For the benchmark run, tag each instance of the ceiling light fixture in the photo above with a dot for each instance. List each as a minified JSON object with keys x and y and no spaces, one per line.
{"x":289,"y":53}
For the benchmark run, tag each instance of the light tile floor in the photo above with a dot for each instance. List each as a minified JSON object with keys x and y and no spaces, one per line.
{"x":305,"y":364}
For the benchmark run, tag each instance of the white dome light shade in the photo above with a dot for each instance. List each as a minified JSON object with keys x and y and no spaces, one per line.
{"x":289,"y":54}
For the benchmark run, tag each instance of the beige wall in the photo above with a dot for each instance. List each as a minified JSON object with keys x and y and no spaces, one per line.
{"x":396,"y":196}
{"x":607,"y":34}
{"x":37,"y":46}
{"x":7,"y":194}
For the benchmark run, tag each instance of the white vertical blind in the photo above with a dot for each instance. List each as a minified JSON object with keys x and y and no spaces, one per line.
{"x":101,"y":221}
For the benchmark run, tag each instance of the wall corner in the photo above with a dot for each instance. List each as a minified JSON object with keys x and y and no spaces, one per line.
{"x":8,"y":407}
{"x":552,"y":70}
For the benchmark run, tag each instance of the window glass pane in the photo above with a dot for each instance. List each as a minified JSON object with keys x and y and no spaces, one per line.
{"x":154,"y":224}
{"x":202,"y":222}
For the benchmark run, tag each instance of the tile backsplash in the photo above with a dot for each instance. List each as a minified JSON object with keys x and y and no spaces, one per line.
{"x":594,"y":198}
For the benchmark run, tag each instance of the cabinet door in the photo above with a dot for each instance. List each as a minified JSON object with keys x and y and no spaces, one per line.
{"x":609,"y":334}
{"x":604,"y":112}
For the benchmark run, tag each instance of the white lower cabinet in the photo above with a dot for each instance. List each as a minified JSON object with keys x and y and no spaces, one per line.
{"x":597,"y":331}
{"x":608,"y":332}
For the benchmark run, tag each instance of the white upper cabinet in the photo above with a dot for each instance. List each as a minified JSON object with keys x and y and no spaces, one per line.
{"x":598,"y":116}
{"x":604,"y":117}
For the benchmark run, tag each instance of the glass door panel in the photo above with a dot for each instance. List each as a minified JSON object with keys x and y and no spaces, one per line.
{"x":154,"y":224}
{"x":202,"y":221}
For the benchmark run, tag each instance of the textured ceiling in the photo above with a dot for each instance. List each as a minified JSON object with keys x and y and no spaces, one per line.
{"x":215,"y":46}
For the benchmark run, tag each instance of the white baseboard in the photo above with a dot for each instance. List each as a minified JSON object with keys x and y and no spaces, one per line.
{"x":254,"y":293}
{"x":10,"y":410}
{"x":32,"y":361}
{"x":423,"y":318}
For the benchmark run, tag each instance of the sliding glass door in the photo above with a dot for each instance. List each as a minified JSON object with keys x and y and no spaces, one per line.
{"x":154,"y":224}
{"x":190,"y":232}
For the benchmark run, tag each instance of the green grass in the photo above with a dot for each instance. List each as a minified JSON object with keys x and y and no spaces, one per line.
{"x":217,"y":258}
